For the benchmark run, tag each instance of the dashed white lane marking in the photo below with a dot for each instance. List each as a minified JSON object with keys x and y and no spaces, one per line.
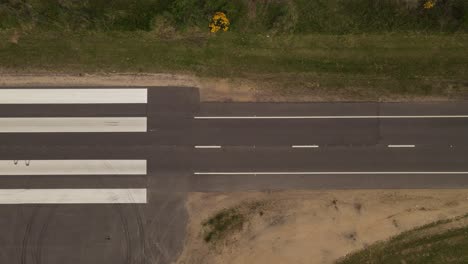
{"x":73,"y":196}
{"x":208,"y":147}
{"x":331,"y":173}
{"x":331,"y":117}
{"x":72,"y":124}
{"x":305,"y":146}
{"x":72,"y":167}
{"x":401,"y":146}
{"x":74,"y":96}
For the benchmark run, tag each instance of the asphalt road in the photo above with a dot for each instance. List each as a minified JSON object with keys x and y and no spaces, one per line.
{"x":193,"y":146}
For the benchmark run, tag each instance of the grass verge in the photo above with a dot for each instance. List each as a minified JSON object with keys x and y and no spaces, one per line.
{"x":365,"y":66}
{"x":441,"y":242}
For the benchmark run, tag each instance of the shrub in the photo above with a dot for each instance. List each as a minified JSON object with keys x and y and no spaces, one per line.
{"x":280,"y":16}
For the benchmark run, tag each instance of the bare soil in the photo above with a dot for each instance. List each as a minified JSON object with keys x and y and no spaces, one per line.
{"x":313,"y":227}
{"x":211,"y":89}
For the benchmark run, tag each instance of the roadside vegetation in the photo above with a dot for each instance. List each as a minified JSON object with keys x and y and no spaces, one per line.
{"x":357,"y":48}
{"x":229,"y":220}
{"x":441,"y":242}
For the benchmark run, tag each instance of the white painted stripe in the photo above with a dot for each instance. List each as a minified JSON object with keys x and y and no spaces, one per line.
{"x":331,"y":173}
{"x":401,"y":146}
{"x":72,"y":167}
{"x":304,"y":146}
{"x":331,"y":117}
{"x":73,"y":196}
{"x":208,"y":147}
{"x":72,"y":124}
{"x":73,"y":96}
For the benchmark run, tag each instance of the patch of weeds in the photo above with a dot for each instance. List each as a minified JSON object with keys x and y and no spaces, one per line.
{"x":351,"y":236}
{"x":358,"y":207}
{"x":229,"y":220}
{"x":335,"y":204}
{"x":218,"y":226}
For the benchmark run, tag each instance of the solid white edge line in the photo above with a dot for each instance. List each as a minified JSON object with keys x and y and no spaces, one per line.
{"x":329,"y":117}
{"x":401,"y":146}
{"x":207,"y":147}
{"x":73,"y":196}
{"x":331,"y":173}
{"x":304,"y":146}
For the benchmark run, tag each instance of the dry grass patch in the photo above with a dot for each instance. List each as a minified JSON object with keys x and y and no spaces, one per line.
{"x":306,"y":227}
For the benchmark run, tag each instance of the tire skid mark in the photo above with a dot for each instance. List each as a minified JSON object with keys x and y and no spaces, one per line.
{"x":141,"y":232}
{"x":128,"y":243}
{"x":43,"y":233}
{"x":27,"y":235}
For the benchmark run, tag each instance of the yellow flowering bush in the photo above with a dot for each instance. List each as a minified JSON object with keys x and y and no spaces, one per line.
{"x":429,"y":4}
{"x":219,"y":22}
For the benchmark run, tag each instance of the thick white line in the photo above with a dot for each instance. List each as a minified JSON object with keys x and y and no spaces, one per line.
{"x":72,"y":167}
{"x":330,"y":117}
{"x":304,"y":146}
{"x":72,"y":196}
{"x":401,"y":146}
{"x":207,"y":147}
{"x":72,"y":124}
{"x":331,"y":173}
{"x":73,"y":96}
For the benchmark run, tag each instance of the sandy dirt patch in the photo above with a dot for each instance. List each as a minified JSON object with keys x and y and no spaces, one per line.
{"x":313,"y":227}
{"x":211,"y":89}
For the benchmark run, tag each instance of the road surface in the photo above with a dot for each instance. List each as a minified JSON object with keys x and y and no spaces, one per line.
{"x":100,"y":174}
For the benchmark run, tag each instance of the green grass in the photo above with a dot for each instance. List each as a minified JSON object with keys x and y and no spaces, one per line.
{"x":222,"y":223}
{"x":432,"y":244}
{"x":350,"y":49}
{"x":227,"y":221}
{"x":366,"y":65}
{"x":291,"y":16}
